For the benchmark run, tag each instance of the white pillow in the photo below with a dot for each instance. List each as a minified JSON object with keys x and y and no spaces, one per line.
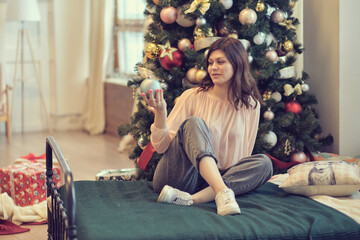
{"x":333,"y":178}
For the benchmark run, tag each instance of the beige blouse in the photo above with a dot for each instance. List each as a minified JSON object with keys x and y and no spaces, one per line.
{"x":233,"y":132}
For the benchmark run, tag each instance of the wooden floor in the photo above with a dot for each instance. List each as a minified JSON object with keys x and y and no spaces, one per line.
{"x":86,"y":154}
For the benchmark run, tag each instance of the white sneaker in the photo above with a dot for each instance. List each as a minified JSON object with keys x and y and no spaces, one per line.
{"x":174,"y":196}
{"x":226,"y":203}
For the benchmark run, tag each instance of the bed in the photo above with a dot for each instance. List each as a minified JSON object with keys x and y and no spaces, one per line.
{"x":128,"y":210}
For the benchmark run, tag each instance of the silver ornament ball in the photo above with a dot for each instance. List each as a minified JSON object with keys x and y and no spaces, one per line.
{"x":149,"y":84}
{"x":305,"y":87}
{"x":200,"y":21}
{"x":271,"y":138}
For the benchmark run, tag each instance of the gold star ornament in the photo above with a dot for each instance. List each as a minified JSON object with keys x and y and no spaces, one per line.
{"x":167,"y":50}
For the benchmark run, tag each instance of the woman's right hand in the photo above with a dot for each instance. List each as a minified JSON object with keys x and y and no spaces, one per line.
{"x":156,"y":105}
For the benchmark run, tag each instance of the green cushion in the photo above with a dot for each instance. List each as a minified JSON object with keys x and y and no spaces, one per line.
{"x":128,"y":210}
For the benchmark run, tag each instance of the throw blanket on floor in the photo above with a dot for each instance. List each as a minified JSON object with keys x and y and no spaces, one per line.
{"x":128,"y":210}
{"x":19,"y":215}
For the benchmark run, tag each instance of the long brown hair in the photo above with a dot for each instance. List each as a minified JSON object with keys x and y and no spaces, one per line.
{"x":242,"y":84}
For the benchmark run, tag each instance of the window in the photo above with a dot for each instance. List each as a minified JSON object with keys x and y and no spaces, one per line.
{"x":128,"y":36}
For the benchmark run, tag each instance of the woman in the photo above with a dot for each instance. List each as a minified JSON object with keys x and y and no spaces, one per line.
{"x":208,"y":137}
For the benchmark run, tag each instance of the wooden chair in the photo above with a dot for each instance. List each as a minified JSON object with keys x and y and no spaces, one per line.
{"x":5,"y":113}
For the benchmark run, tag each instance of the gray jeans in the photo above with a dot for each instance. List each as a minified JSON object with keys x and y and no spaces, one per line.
{"x":179,"y":166}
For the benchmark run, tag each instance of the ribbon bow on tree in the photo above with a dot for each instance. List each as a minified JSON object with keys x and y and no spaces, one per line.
{"x":289,"y":89}
{"x":201,"y":5}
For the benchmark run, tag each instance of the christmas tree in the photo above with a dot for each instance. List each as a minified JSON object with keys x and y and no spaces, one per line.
{"x":176,"y":41}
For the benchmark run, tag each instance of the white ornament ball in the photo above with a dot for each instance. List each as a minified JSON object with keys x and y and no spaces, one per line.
{"x":271,"y":138}
{"x":277,"y":16}
{"x":269,"y":115}
{"x":149,"y":84}
{"x":191,"y":75}
{"x":259,"y":38}
{"x":305,"y":87}
{"x":181,"y":20}
{"x":247,"y":16}
{"x":251,"y":59}
{"x":200,"y":21}
{"x":168,"y":15}
{"x":183,"y":44}
{"x":227,"y":3}
{"x":276,"y":96}
{"x":270,"y":38}
{"x":271,"y":55}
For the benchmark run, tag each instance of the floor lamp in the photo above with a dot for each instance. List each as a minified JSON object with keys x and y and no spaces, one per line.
{"x":24,"y":11}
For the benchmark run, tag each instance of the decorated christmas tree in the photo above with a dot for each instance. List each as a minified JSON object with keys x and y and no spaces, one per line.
{"x":176,"y":43}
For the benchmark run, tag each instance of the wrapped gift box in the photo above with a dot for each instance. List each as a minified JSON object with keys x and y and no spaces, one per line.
{"x":25,"y":182}
{"x":125,"y":174}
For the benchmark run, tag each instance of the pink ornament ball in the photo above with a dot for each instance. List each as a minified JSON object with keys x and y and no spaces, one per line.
{"x":271,"y":55}
{"x":298,"y":157}
{"x":269,"y":115}
{"x":168,"y":15}
{"x":247,"y":16}
{"x":278,"y":16}
{"x":183,"y":44}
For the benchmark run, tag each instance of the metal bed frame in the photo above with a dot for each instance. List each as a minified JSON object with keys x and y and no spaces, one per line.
{"x":61,"y":219}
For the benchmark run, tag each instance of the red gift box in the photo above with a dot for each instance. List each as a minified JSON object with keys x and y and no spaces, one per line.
{"x":25,"y":182}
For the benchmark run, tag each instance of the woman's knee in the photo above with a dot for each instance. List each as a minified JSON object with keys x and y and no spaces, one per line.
{"x":266,"y":165}
{"x":193,"y":121}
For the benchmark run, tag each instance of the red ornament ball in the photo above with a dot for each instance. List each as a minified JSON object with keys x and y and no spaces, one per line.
{"x":176,"y":60}
{"x":293,"y":106}
{"x":298,"y":157}
{"x":168,"y":15}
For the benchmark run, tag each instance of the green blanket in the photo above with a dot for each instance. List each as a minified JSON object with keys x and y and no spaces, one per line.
{"x":128,"y":210}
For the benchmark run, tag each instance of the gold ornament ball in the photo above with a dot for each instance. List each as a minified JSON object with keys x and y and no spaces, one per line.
{"x":151,"y":50}
{"x":288,"y":46}
{"x":269,"y":115}
{"x":260,"y":6}
{"x":200,"y":74}
{"x":191,"y":75}
{"x":156,"y":2}
{"x":233,"y":35}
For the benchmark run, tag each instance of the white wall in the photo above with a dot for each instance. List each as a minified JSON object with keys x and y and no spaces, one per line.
{"x":330,"y":36}
{"x":349,"y":77}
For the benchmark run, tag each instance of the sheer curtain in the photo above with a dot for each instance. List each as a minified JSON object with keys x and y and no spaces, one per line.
{"x":101,"y":20}
{"x":83,"y":32}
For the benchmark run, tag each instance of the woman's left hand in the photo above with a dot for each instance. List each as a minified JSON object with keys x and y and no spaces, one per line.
{"x":156,"y":105}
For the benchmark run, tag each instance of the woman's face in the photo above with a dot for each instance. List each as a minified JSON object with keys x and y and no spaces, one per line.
{"x":220,"y":68}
